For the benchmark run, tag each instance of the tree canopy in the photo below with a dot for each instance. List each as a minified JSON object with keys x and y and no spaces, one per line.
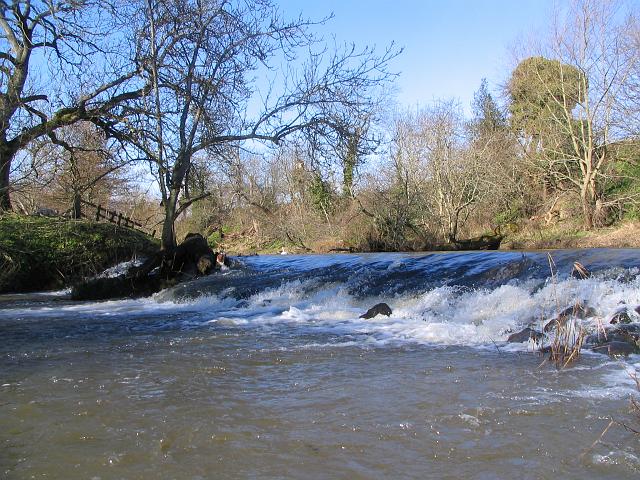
{"x":541,"y":91}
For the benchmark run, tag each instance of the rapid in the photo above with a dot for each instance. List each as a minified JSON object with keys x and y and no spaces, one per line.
{"x":268,"y":371}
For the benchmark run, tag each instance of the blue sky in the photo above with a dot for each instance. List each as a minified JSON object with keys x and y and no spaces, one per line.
{"x":450,"y":45}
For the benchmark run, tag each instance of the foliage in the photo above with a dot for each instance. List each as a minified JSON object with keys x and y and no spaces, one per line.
{"x":623,"y":186}
{"x":188,"y":89}
{"x":321,"y":194}
{"x":39,"y":253}
{"x":202,"y":60}
{"x":487,"y":116}
{"x":91,"y":71}
{"x":540,"y":90}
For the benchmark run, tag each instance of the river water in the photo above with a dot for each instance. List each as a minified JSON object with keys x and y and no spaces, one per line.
{"x":267,"y":371}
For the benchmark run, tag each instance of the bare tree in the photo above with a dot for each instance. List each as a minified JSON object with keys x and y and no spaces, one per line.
{"x":61,"y":61}
{"x":202,"y":58}
{"x":440,"y":172}
{"x":455,"y":170}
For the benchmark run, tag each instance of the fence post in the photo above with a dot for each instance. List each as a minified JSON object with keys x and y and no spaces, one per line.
{"x":98,"y":214}
{"x":119,"y":218}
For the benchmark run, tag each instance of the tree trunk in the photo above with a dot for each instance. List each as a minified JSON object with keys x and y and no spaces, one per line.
{"x":587,"y":211}
{"x":347,"y":178}
{"x":5,"y":200}
{"x":349,"y":166}
{"x":168,"y":240}
{"x":6,"y":156}
{"x":76,"y":210}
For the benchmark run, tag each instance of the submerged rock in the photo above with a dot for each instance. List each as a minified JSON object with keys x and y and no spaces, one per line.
{"x":616,"y":348}
{"x":621,"y":316}
{"x":631,"y":328}
{"x":524,"y":336}
{"x":378,"y":309}
{"x":623,"y":339}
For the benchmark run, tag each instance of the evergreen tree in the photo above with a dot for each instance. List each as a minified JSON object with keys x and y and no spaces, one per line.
{"x":487,"y":116}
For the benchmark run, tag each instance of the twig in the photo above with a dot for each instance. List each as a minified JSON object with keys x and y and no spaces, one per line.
{"x":599,"y":438}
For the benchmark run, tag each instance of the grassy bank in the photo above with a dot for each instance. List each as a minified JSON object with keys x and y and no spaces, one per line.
{"x":38,"y":253}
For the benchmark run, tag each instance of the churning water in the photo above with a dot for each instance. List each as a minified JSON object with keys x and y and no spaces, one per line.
{"x":267,"y":371}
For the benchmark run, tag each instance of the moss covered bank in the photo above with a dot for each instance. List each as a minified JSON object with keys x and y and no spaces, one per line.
{"x":39,"y":253}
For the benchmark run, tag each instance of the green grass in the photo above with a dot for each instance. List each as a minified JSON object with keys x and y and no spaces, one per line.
{"x":215,"y":238}
{"x":38,"y":253}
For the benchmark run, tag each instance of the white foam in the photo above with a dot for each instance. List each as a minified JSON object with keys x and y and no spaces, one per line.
{"x":443,"y":315}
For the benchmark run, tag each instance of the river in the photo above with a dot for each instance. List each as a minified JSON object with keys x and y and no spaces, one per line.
{"x":267,"y":371}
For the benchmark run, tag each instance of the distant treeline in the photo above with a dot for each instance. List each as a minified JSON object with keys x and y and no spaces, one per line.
{"x":153,"y":112}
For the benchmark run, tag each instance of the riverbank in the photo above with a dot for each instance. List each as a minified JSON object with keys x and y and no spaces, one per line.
{"x":41,"y":253}
{"x":622,"y":235}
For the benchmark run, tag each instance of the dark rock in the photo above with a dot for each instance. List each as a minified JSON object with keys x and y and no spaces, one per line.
{"x":633,"y":328}
{"x":587,"y":312}
{"x":120,"y":287}
{"x":189,"y":260}
{"x":637,"y":309}
{"x":595,"y":339}
{"x":194,"y":251}
{"x":621,"y":316}
{"x":379,"y":309}
{"x":483,"y":242}
{"x":621,"y":333}
{"x":576,"y":311}
{"x":601,"y":338}
{"x":524,"y":336}
{"x":46,"y":212}
{"x":580,"y":271}
{"x":616,"y":348}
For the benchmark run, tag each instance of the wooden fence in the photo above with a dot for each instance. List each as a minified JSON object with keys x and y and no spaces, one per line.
{"x":102,"y":213}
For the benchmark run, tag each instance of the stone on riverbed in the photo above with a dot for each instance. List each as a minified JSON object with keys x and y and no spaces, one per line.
{"x":378,"y":309}
{"x":524,"y":336}
{"x":615,"y":348}
{"x":621,"y":316}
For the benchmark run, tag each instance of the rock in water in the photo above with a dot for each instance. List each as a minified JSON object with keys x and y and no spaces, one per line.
{"x":621,"y":316}
{"x":379,"y":309}
{"x":204,"y":265}
{"x":620,"y":333}
{"x":616,"y":348}
{"x":192,"y":255}
{"x":192,"y":258}
{"x":576,"y":311}
{"x":524,"y":336}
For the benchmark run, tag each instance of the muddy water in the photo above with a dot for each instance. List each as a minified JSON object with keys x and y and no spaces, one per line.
{"x":286,"y":382}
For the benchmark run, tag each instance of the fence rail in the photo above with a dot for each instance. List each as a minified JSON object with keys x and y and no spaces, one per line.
{"x":102,"y":213}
